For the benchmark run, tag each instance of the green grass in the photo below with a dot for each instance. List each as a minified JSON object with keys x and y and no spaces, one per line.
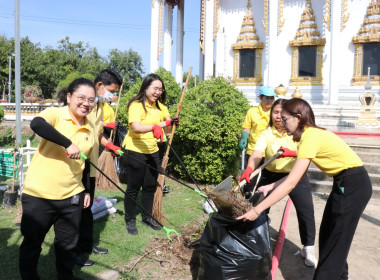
{"x":181,"y":206}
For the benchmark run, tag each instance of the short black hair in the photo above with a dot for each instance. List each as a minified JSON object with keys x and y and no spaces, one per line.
{"x":109,"y":76}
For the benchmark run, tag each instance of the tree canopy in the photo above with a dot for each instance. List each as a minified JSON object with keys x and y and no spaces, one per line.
{"x":50,"y":68}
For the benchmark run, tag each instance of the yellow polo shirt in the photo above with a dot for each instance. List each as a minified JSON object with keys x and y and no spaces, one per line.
{"x":268,"y":142}
{"x":327,"y":150}
{"x":51,"y":175}
{"x":256,"y":120}
{"x":108,"y":113}
{"x":96,"y":118}
{"x":144,"y":143}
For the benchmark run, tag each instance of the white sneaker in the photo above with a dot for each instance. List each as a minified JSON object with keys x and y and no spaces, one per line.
{"x":308,"y":253}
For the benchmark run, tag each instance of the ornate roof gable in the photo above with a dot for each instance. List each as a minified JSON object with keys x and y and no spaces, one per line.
{"x":370,"y":30}
{"x":247,"y":38}
{"x":307,"y":33}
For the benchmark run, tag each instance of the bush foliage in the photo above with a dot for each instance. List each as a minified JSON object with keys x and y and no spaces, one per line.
{"x":207,"y":139}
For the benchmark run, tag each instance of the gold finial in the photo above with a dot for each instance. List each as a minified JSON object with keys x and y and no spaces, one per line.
{"x":297,"y":93}
{"x":280,"y":90}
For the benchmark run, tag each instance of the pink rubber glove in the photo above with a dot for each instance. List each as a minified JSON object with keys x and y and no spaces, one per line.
{"x":157,"y":132}
{"x":248,"y":171}
{"x":110,"y":146}
{"x":287,"y":153}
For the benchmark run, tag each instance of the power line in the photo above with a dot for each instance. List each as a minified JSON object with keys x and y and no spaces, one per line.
{"x":87,"y":22}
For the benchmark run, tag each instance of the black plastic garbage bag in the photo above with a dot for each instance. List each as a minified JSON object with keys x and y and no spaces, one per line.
{"x":120,"y":133}
{"x":231,"y":249}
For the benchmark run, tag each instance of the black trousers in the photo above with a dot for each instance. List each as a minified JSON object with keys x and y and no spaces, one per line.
{"x":303,"y":203}
{"x":140,"y":175}
{"x":37,"y":218}
{"x":86,"y":228}
{"x":351,"y":192}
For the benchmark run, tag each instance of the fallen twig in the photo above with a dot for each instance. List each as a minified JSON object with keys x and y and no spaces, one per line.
{"x":143,"y":256}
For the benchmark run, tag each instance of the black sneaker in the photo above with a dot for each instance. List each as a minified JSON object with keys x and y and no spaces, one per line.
{"x":131,"y":227}
{"x":151,"y":223}
{"x":83,"y":261}
{"x":166,"y":189}
{"x":99,"y":250}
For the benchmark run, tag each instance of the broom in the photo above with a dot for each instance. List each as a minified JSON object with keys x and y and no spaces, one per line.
{"x":157,"y":203}
{"x":106,"y":162}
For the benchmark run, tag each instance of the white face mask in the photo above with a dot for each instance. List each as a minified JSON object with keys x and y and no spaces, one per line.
{"x":107,"y":97}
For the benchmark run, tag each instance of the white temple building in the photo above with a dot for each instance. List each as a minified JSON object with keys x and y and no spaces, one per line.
{"x":324,"y":50}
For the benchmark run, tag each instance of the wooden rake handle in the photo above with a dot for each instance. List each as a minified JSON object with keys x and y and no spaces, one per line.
{"x":117,"y":107}
{"x":259,"y":169}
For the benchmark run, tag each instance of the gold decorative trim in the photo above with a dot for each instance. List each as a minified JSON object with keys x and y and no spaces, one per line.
{"x":344,"y":15}
{"x":266,"y":16}
{"x":280,"y":19}
{"x":216,"y":13}
{"x":257,"y":80}
{"x":327,"y":14}
{"x":202,"y":27}
{"x":307,"y":35}
{"x":369,"y":32}
{"x":248,"y":39}
{"x":358,"y":79}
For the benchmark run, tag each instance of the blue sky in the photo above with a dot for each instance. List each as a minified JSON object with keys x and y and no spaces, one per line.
{"x":124,"y":24}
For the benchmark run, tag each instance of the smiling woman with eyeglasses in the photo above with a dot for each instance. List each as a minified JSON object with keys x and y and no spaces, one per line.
{"x":141,"y":151}
{"x":54,"y":193}
{"x":350,"y":193}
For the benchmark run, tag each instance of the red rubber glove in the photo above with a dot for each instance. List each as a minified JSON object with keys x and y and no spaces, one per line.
{"x":172,"y":121}
{"x":157,"y":132}
{"x":248,"y":171}
{"x":110,"y":146}
{"x":287,"y":153}
{"x":111,"y":125}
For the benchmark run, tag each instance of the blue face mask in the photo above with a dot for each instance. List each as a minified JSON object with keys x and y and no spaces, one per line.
{"x":96,"y":100}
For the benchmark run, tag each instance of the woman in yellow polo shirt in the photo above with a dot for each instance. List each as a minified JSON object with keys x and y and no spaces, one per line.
{"x":54,"y":193}
{"x":350,"y":194}
{"x":140,"y":143}
{"x":267,"y":144}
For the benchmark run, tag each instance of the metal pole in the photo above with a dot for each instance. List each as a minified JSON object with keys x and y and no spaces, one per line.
{"x":10,"y":77}
{"x":17,"y":73}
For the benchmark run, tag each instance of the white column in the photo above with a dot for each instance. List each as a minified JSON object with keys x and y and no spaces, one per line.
{"x":168,"y":22}
{"x":334,"y":52}
{"x":179,"y":43}
{"x":154,"y":36}
{"x":209,"y":42}
{"x":270,"y":80}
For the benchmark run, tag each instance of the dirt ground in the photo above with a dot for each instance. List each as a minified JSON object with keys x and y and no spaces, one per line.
{"x":179,"y":260}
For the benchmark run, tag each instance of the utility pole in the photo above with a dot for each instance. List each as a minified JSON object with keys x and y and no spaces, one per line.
{"x":10,"y":76}
{"x":17,"y":73}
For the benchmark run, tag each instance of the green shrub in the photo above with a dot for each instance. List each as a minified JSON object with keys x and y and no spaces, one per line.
{"x":1,"y":114}
{"x":207,"y":139}
{"x":173,"y":95}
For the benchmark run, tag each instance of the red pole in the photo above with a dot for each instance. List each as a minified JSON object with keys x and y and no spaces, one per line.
{"x":281,"y":239}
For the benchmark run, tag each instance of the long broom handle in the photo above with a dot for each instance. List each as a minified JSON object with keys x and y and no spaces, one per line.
{"x":117,"y":107}
{"x":259,"y":169}
{"x":178,"y":110}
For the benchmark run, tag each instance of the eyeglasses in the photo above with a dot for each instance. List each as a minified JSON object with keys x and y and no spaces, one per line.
{"x":285,"y":120}
{"x":81,"y":99}
{"x":161,"y":90}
